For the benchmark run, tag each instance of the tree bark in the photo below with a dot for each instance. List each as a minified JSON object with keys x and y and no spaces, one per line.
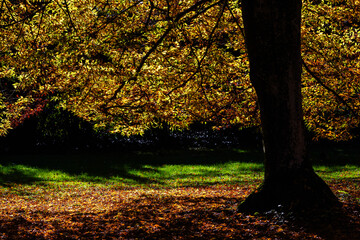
{"x":272,"y":35}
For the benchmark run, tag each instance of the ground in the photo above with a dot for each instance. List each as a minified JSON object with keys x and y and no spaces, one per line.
{"x":167,"y":195}
{"x":70,"y":211}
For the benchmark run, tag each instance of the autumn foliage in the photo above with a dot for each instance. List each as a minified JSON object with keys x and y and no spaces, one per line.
{"x":127,"y":66}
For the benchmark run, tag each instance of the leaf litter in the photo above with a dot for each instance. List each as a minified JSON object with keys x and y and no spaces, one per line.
{"x":74,"y":211}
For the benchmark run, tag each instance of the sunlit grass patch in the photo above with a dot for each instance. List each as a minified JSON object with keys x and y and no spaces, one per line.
{"x":156,"y":170}
{"x":338,"y":172}
{"x":198,"y":175}
{"x":174,"y":168}
{"x":25,"y":174}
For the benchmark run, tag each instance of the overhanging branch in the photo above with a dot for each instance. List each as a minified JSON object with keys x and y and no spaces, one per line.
{"x":320,"y":81}
{"x":175,"y":20}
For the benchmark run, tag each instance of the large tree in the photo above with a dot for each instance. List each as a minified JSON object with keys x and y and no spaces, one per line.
{"x":127,"y":66}
{"x":272,"y":35}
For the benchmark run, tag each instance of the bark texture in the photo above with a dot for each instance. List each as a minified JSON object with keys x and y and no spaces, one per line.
{"x":272,"y":34}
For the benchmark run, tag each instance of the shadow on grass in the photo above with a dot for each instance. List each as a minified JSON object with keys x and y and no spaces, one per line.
{"x":330,"y":155}
{"x":147,"y":167}
{"x":13,"y":174}
{"x":99,"y":167}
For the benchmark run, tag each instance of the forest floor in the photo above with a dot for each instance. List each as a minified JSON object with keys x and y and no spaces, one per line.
{"x":160,"y":201}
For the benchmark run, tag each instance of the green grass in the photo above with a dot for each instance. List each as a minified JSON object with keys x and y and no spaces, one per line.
{"x":338,"y":172}
{"x":194,"y":175}
{"x":158,"y":169}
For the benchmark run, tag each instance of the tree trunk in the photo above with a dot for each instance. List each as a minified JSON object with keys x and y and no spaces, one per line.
{"x":272,"y":34}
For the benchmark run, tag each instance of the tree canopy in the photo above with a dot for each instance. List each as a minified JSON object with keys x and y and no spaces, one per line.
{"x":127,"y":66}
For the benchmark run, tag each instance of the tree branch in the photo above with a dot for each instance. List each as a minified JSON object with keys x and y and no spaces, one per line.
{"x":206,"y":50}
{"x":175,"y":20}
{"x":28,"y":16}
{"x":328,"y":88}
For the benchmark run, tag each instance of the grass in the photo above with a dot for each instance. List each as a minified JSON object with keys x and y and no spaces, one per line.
{"x":128,"y":174}
{"x":338,"y":172}
{"x":162,"y":169}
